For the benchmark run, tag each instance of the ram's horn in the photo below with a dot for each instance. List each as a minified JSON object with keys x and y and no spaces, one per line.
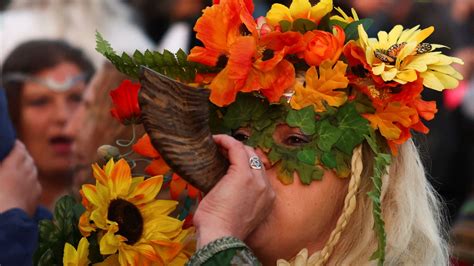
{"x":176,"y":117}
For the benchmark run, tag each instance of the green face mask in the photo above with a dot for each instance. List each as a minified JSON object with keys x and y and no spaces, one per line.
{"x":322,"y":141}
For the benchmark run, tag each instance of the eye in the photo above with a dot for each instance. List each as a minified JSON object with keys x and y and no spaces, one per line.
{"x":38,"y":102}
{"x":241,"y":134}
{"x":75,"y":97}
{"x":296,"y":140}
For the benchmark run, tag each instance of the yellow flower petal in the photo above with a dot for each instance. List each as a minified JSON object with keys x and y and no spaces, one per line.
{"x":121,"y":178}
{"x":76,"y":258}
{"x":83,"y":251}
{"x":110,"y":243}
{"x":277,"y":13}
{"x":389,"y":74}
{"x":393,"y":36}
{"x":157,"y":208}
{"x":300,"y":8}
{"x":146,"y":191}
{"x":321,"y":9}
{"x":407,"y":75}
{"x":111,"y":260}
{"x":378,"y":69}
{"x":423,"y":34}
{"x":438,"y":81}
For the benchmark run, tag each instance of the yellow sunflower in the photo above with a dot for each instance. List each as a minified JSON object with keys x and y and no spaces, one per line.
{"x":136,"y":227}
{"x":298,"y":9}
{"x":400,"y":54}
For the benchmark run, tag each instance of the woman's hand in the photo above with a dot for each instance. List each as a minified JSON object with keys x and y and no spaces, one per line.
{"x":239,"y":201}
{"x":19,"y":185}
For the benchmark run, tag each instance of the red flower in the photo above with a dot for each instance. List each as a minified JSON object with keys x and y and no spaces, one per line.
{"x":125,"y":100}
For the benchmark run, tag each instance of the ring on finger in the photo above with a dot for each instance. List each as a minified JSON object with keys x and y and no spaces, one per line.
{"x":255,"y":163}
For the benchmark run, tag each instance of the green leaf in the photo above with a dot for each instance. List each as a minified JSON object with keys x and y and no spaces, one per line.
{"x":329,"y":160}
{"x":285,"y":25}
{"x":353,"y":127}
{"x":307,"y":156}
{"x":245,"y":109}
{"x":303,"y":25}
{"x":351,"y":29}
{"x":103,"y":46}
{"x":343,"y":164}
{"x":339,"y":23}
{"x":328,"y":135}
{"x":303,"y":119}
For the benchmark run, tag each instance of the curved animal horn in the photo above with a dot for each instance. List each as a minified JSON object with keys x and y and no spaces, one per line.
{"x":176,"y":117}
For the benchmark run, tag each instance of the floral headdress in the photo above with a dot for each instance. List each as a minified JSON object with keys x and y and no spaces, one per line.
{"x":312,"y":67}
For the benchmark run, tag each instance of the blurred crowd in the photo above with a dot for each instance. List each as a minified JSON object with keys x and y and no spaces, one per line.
{"x":57,"y":86}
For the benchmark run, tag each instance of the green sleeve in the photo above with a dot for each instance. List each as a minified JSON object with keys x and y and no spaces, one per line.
{"x":224,"y":251}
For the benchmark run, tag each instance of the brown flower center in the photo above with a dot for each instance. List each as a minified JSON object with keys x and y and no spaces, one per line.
{"x":129,"y":219}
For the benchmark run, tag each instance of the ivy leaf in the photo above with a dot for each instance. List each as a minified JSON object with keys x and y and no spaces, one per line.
{"x":245,"y":109}
{"x":307,"y":156}
{"x":328,"y":135}
{"x":353,"y":127}
{"x":351,"y":29}
{"x":329,"y":160}
{"x":303,"y":25}
{"x":308,"y":173}
{"x":63,"y":214}
{"x":303,"y":119}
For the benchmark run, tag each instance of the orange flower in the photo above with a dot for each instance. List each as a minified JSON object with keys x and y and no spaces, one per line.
{"x":125,"y":100}
{"x":322,"y":45}
{"x":178,"y":185}
{"x":252,"y":62}
{"x":144,"y":147}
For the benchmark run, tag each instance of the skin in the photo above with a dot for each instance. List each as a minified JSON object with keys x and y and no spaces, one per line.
{"x":300,"y":216}
{"x":19,"y":185}
{"x":45,"y":114}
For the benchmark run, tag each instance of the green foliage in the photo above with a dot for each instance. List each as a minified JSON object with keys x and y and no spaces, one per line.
{"x":53,"y":235}
{"x":303,"y":25}
{"x":328,"y":135}
{"x":353,"y":127}
{"x":381,"y":162}
{"x":351,"y":29}
{"x":175,"y":66}
{"x":285,"y":25}
{"x":303,"y":119}
{"x":245,"y":109}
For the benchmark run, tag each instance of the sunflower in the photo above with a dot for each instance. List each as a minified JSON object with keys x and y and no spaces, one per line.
{"x":134,"y":226}
{"x":400,"y":54}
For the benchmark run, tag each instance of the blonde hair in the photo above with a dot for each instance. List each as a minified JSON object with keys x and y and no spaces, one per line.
{"x":412,"y":214}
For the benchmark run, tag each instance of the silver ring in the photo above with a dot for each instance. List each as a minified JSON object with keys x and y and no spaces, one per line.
{"x":255,"y":163}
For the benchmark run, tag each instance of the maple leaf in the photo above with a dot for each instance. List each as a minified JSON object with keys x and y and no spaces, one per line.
{"x":322,"y":87}
{"x":386,"y":119}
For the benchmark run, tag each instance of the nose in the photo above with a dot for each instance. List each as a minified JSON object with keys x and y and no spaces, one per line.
{"x":62,"y":113}
{"x":74,"y":123}
{"x":264,"y":158}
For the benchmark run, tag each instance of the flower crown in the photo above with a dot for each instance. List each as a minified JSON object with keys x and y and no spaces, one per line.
{"x":311,"y":67}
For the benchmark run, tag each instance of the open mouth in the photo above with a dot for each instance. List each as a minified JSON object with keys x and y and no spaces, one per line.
{"x":61,"y":144}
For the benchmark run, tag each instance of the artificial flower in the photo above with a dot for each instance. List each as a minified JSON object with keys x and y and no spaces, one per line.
{"x":344,"y":17}
{"x":178,"y":185}
{"x":144,"y":147}
{"x":125,"y":100}
{"x":322,"y":88}
{"x":251,"y":62}
{"x":399,"y":55}
{"x":299,"y":9}
{"x":79,"y":257}
{"x":322,"y":45}
{"x":137,"y":226}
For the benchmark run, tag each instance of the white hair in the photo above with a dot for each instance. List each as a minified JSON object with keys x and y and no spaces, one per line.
{"x":411,"y":211}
